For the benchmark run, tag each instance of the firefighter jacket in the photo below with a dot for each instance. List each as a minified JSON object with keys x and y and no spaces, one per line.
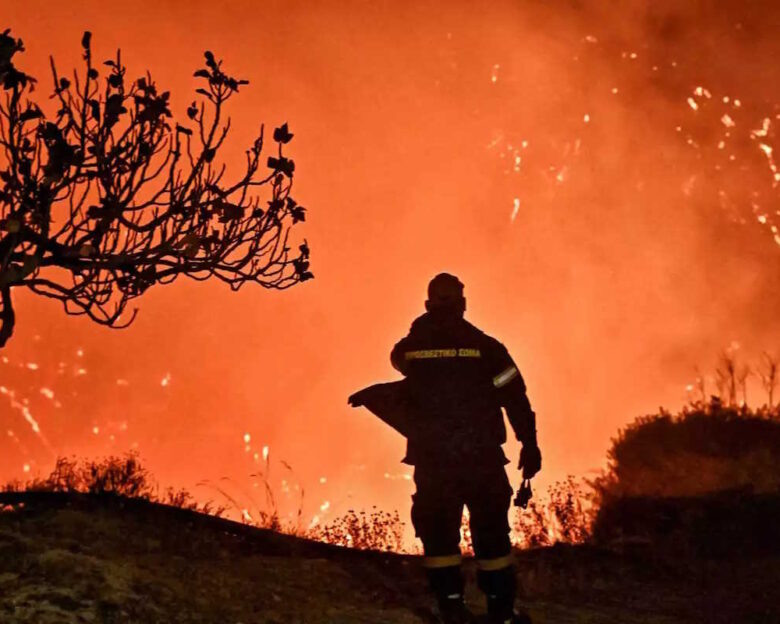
{"x":457,"y":380}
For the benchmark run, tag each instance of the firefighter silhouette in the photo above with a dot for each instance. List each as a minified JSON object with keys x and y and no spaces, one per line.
{"x":448,"y":406}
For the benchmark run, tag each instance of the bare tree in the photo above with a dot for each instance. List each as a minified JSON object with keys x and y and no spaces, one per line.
{"x":770,"y":374}
{"x":726,"y":377}
{"x":108,"y":196}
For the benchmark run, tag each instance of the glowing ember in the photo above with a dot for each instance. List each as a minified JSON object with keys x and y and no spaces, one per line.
{"x":515,"y":208}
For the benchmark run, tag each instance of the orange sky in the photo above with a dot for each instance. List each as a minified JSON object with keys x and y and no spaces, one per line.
{"x":634,"y":255}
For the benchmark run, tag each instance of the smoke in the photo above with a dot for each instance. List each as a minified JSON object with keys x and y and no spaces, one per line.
{"x":563,"y":158}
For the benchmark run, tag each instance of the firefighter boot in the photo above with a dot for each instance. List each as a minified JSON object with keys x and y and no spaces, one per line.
{"x":447,"y":585}
{"x":500,"y":588}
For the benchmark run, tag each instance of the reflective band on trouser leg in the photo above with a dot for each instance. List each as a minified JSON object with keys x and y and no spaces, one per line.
{"x":446,"y":561}
{"x":504,"y":377}
{"x":499,"y":563}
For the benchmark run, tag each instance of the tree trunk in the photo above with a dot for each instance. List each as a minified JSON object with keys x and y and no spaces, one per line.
{"x":7,"y":316}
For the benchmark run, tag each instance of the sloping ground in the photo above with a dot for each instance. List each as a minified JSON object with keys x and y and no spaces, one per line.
{"x":73,"y":558}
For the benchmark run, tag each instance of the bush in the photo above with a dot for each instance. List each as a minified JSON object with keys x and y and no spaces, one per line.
{"x":563,"y":516}
{"x":705,"y":448}
{"x":705,"y":481}
{"x":112,"y":476}
{"x":377,"y":530}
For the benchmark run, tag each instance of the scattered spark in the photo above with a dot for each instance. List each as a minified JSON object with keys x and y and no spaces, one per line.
{"x":266,"y":450}
{"x":737,"y":103}
{"x":32,"y":366}
{"x":586,"y":118}
{"x":246,"y":515}
{"x":5,"y":360}
{"x":166,"y":380}
{"x":96,"y":430}
{"x":80,"y":352}
{"x":26,"y":467}
{"x":314,"y":522}
{"x":692,"y":103}
{"x":494,"y":73}
{"x":518,"y":160}
{"x":721,"y":145}
{"x":122,"y":382}
{"x":702,"y":92}
{"x":762,"y":219}
{"x":81,"y":371}
{"x":614,"y":90}
{"x":561,"y":175}
{"x":325,"y":506}
{"x":725,"y":99}
{"x":727,"y":121}
{"x":323,"y":480}
{"x":123,"y":426}
{"x":689,"y":388}
{"x":524,"y":144}
{"x":632,"y":56}
{"x":764,"y":130}
{"x":515,"y":208}
{"x":247,"y":438}
{"x":591,"y":39}
{"x":256,"y":457}
{"x":49,"y":394}
{"x":495,"y":141}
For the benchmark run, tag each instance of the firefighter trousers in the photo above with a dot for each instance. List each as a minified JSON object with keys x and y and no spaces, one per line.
{"x":437,"y":509}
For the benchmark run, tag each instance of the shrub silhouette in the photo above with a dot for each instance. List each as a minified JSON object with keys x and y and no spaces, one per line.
{"x":375,"y":530}
{"x":112,"y":477}
{"x":705,"y":448}
{"x":563,"y":516}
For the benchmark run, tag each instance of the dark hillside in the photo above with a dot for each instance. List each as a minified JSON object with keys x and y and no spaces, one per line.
{"x":68,"y":558}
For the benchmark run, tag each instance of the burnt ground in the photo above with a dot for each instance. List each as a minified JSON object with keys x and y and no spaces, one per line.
{"x":77,"y":558}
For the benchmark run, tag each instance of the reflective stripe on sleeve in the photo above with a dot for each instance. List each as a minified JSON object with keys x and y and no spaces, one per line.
{"x":446,"y":561}
{"x":499,"y":563}
{"x":504,"y":377}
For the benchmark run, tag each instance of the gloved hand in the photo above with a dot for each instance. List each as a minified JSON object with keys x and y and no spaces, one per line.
{"x":530,"y":460}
